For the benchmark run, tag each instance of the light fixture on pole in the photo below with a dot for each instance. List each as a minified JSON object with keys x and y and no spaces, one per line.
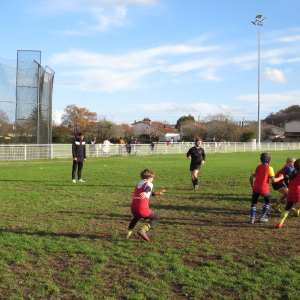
{"x":258,"y":21}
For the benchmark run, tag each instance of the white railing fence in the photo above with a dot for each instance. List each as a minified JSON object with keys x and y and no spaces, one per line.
{"x":30,"y":151}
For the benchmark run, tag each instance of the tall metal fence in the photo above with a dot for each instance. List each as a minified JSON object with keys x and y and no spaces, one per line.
{"x":25,"y":99}
{"x":30,"y":151}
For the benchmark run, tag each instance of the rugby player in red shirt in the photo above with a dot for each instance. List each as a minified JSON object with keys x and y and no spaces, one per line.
{"x":140,"y":205}
{"x":263,"y":173}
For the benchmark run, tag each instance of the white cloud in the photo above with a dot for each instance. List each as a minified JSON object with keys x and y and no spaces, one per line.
{"x":270,"y":102}
{"x":112,"y":73}
{"x":274,"y":75}
{"x":194,"y":108}
{"x":56,"y":117}
{"x":128,"y":61}
{"x":103,"y":14}
{"x":95,"y":80}
{"x":290,"y":39}
{"x":293,"y":60}
{"x":68,"y":82}
{"x":111,"y":2}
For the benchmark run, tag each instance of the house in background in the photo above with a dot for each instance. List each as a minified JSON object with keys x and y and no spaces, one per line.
{"x":292,"y":130}
{"x":274,"y":132}
{"x":147,"y":130}
{"x":188,"y":129}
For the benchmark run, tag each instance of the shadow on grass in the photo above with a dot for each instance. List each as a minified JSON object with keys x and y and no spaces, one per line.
{"x":105,"y":236}
{"x":199,"y":221}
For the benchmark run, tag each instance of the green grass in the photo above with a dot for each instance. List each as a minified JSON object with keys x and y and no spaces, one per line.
{"x":60,"y":240}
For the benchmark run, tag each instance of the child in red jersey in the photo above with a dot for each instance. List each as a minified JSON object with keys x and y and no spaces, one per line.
{"x":263,"y":173}
{"x":140,"y":205}
{"x":280,"y":186}
{"x":293,"y":193}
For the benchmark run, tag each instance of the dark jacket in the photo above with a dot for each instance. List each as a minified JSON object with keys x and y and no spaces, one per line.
{"x":78,"y":149}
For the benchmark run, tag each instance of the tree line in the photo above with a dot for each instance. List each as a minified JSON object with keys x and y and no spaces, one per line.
{"x":220,"y":126}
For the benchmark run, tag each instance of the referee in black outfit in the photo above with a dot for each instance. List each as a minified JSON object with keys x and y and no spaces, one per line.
{"x":198,"y":157}
{"x":79,"y":156}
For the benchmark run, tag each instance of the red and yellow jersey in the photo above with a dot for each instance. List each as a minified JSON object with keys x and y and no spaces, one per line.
{"x":286,"y":170}
{"x":262,"y":173}
{"x":140,"y":207}
{"x":294,"y":189}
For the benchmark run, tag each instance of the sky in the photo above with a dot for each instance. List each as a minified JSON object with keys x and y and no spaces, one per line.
{"x":161,"y":59}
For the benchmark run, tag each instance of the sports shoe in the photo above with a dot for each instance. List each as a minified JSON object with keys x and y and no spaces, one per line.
{"x":74,"y":180}
{"x":262,"y":219}
{"x":297,"y":213}
{"x":196,"y":187}
{"x":143,"y":234}
{"x":251,"y":221}
{"x":80,"y":180}
{"x":276,"y":208}
{"x":279,"y":225}
{"x":126,"y":236}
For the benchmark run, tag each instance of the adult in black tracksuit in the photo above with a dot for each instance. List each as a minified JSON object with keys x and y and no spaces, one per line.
{"x":79,"y":156}
{"x":198,"y":157}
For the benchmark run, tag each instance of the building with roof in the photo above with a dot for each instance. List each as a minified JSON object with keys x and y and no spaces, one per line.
{"x":292,"y":130}
{"x":272,"y":132}
{"x":152,"y":130}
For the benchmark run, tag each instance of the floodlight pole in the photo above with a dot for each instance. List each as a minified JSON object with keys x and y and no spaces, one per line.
{"x":259,"y":22}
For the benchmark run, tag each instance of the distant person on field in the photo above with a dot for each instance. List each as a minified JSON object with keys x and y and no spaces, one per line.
{"x":213,"y":146}
{"x":93,"y":147}
{"x":293,"y":193}
{"x":140,"y":205}
{"x":128,"y":148}
{"x":172,"y":142}
{"x":106,"y":147}
{"x":79,"y":156}
{"x":197,"y":154}
{"x":281,"y":186}
{"x":122,"y":143}
{"x":262,"y":173}
{"x":132,"y":141}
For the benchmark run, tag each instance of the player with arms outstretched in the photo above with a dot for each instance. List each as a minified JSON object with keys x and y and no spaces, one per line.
{"x":140,"y":205}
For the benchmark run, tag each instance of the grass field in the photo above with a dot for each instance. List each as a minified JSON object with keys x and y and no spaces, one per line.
{"x":60,"y":240}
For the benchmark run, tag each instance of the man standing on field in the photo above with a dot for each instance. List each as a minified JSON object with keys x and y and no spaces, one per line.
{"x":79,"y":156}
{"x":197,"y":154}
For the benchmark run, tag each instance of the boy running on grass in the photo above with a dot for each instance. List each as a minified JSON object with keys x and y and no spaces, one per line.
{"x":280,"y":186}
{"x":263,"y":173}
{"x":293,"y":193}
{"x":140,"y":205}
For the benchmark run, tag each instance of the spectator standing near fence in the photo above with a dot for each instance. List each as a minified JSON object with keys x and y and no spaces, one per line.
{"x":128,"y":148}
{"x":79,"y":156}
{"x":93,"y":147}
{"x":121,"y":146}
{"x":213,"y":146}
{"x":197,"y":154}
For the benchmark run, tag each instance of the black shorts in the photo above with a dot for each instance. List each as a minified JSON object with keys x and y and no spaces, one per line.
{"x":196,"y":166}
{"x":276,"y":186}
